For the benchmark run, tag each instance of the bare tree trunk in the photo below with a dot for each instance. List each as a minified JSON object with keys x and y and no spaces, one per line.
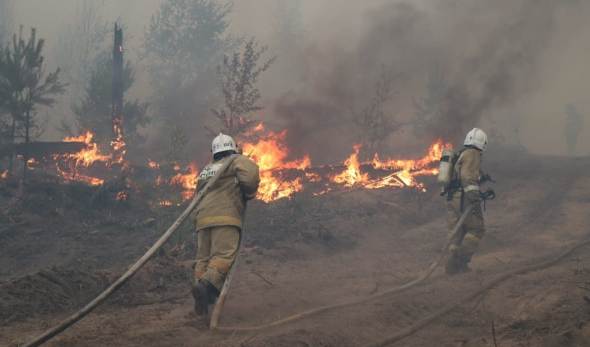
{"x":12,"y":135}
{"x":117,"y":91}
{"x":27,"y":140}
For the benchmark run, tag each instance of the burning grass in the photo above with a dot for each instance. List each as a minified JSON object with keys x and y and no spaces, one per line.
{"x":281,"y":176}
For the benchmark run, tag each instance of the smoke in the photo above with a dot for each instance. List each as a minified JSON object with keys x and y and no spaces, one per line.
{"x":463,"y":62}
{"x":508,"y":66}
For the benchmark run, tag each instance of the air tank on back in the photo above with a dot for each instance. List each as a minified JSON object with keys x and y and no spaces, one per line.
{"x":445,"y":168}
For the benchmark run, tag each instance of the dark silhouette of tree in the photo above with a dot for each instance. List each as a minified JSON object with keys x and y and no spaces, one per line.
{"x":80,"y":42}
{"x":5,"y":20}
{"x":93,"y":112}
{"x":374,"y":124}
{"x":177,"y":145}
{"x":430,"y":109}
{"x":187,"y":37}
{"x":24,"y":85}
{"x":185,"y":41}
{"x":239,"y":74}
{"x":5,"y":29}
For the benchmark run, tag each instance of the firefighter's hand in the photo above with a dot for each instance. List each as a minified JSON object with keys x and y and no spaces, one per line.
{"x":472,"y":197}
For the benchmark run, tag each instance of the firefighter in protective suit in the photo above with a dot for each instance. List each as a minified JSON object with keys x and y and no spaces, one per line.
{"x":219,"y":217}
{"x":465,"y":191}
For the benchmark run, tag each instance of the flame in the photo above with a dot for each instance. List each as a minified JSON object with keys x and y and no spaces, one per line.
{"x":118,"y":143}
{"x":187,"y":181}
{"x":77,"y":177}
{"x":259,"y":127}
{"x":4,"y":175}
{"x":280,"y":176}
{"x":165,"y":203}
{"x":352,"y":174}
{"x":153,"y":165}
{"x":270,"y":154}
{"x":323,"y":192}
{"x":272,"y":189}
{"x":90,"y":154}
{"x":122,"y":196}
{"x":68,"y":165}
{"x":32,"y":163}
{"x":404,"y":175}
{"x":433,"y":155}
{"x":313,"y":177}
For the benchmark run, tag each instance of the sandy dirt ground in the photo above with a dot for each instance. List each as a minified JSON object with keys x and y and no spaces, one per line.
{"x":313,"y":251}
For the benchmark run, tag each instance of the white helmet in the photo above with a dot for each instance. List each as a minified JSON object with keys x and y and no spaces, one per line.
{"x":477,"y":138}
{"x":222,"y":143}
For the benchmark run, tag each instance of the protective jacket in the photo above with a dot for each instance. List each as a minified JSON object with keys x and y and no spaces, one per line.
{"x":465,"y":193}
{"x":467,"y":169}
{"x":225,"y":202}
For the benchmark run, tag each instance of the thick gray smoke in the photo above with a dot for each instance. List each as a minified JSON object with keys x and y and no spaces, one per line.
{"x":455,"y":64}
{"x":423,"y":69}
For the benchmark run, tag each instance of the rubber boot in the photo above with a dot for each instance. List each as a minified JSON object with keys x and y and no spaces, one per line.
{"x":212,"y":293}
{"x":201,"y":296}
{"x":463,"y":261}
{"x":453,"y":265}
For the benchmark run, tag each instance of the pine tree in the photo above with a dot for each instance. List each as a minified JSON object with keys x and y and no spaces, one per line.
{"x":185,"y":41}
{"x":93,"y":112}
{"x":24,"y":85}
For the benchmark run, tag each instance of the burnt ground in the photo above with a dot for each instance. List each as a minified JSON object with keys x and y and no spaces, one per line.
{"x":61,"y":246}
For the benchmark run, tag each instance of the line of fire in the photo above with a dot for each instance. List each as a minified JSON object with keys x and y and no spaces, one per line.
{"x":80,"y":160}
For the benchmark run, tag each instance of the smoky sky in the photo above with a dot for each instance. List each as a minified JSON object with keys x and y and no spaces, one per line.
{"x":490,"y":56}
{"x":508,"y":66}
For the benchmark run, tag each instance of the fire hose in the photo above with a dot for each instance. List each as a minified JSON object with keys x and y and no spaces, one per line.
{"x":49,"y":334}
{"x":456,"y":233}
{"x":392,"y":339}
{"x":491,"y":284}
{"x":424,"y":276}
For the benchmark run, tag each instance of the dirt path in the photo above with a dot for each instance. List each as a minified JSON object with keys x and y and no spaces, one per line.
{"x":530,"y":220}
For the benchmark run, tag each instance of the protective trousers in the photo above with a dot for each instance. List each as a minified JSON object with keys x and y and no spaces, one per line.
{"x":465,"y":244}
{"x":217,"y":248}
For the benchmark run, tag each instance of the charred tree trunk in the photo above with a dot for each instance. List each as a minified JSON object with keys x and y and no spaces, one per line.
{"x":27,"y":140}
{"x":117,"y":96}
{"x":12,"y":136}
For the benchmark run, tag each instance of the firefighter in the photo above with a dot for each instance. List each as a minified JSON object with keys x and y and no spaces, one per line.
{"x":464,"y":190}
{"x":219,"y":217}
